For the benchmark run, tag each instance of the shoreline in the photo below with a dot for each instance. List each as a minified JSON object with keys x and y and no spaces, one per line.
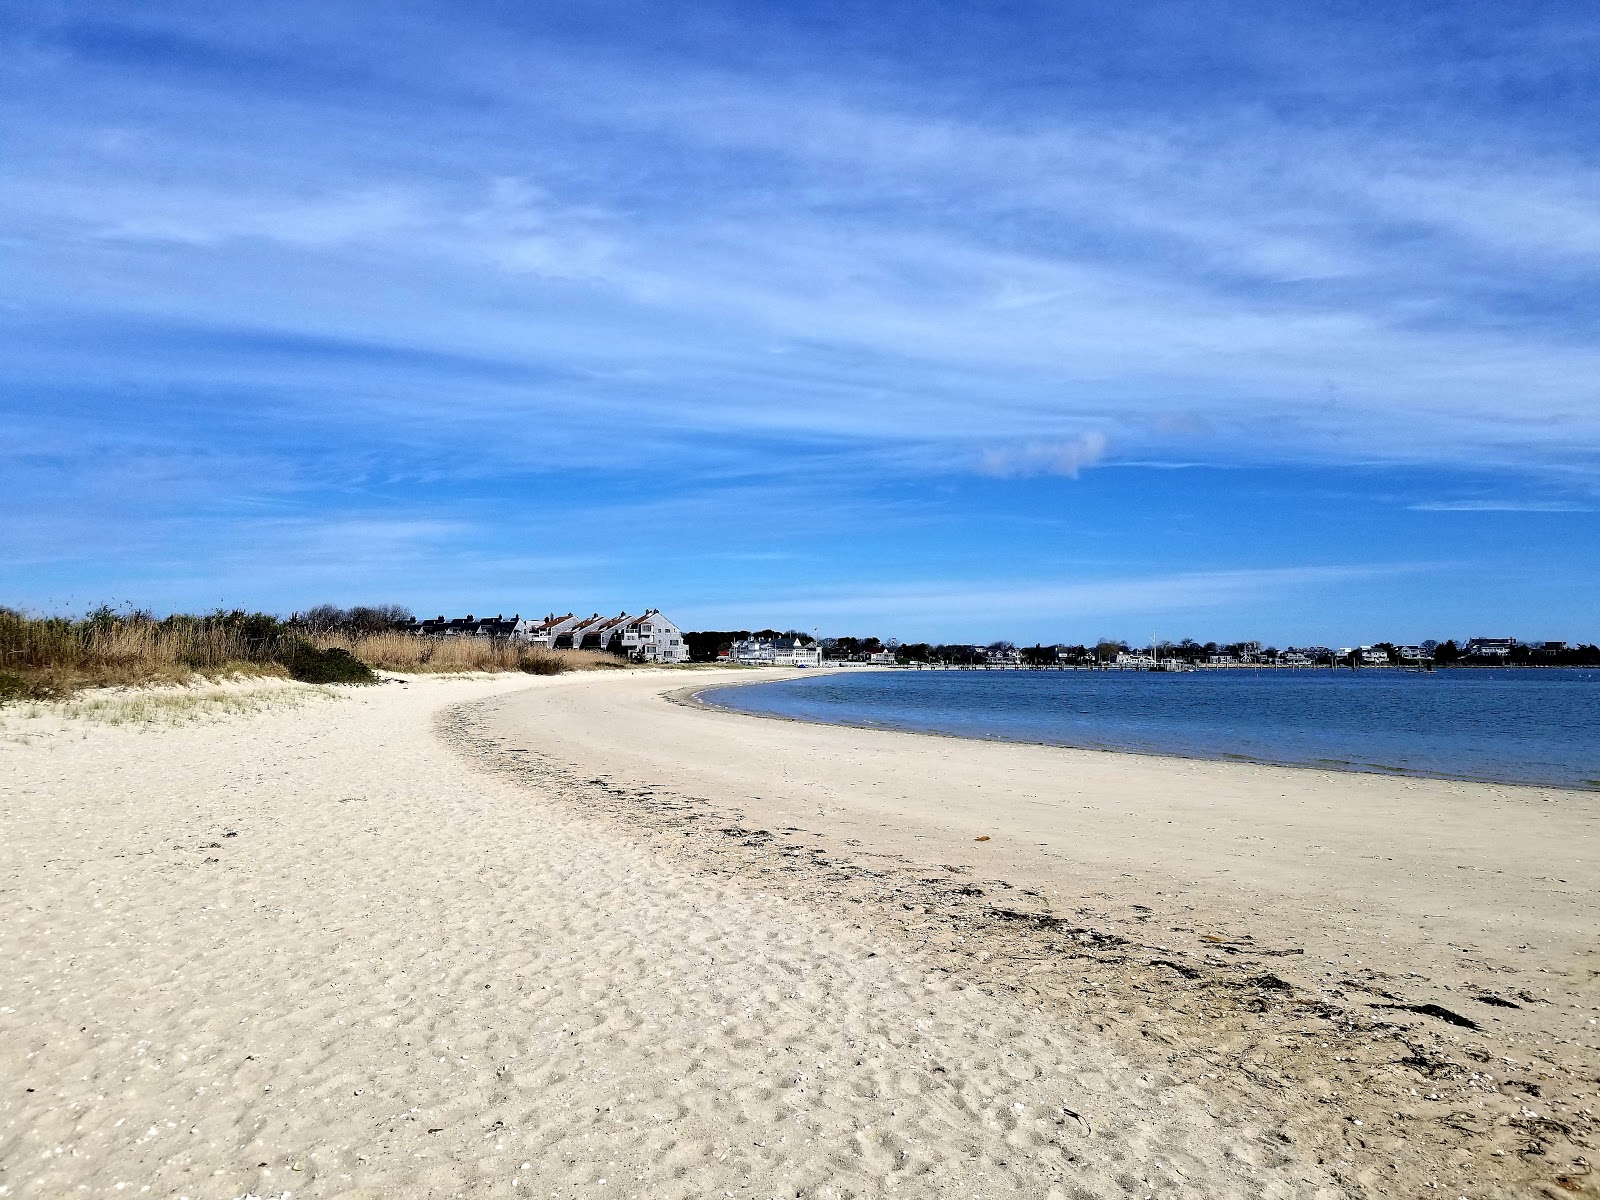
{"x":695,"y":697}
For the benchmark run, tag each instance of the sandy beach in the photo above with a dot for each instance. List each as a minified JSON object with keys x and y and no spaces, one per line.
{"x":582,"y":936}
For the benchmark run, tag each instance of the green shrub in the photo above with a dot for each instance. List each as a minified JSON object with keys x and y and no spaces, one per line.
{"x":306,"y":663}
{"x":15,"y":687}
{"x":542,"y":664}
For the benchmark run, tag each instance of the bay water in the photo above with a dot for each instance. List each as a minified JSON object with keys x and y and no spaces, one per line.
{"x":1530,"y":726}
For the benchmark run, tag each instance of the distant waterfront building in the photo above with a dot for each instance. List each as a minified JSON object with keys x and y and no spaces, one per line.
{"x":752,"y":652}
{"x":1413,"y":654}
{"x":1293,"y":658}
{"x":1374,"y":656}
{"x":1221,"y":660}
{"x":778,"y":652}
{"x":1489,"y":647}
{"x":1128,"y":658}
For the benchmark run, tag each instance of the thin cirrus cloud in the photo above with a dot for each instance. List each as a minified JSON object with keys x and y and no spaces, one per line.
{"x":1145,"y":268}
{"x":1502,"y":506}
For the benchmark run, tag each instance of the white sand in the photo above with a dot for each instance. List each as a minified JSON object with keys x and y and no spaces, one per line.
{"x":1249,"y":928}
{"x":381,"y":952}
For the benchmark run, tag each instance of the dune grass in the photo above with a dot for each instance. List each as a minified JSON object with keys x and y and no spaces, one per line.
{"x":43,"y":658}
{"x":410,"y":655}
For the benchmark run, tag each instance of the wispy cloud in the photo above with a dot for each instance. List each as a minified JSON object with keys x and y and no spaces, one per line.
{"x":724,"y":279}
{"x":1508,"y":506}
{"x":1021,"y":273}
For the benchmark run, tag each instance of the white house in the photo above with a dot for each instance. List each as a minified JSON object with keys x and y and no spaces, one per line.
{"x":1127,"y":658}
{"x":792,"y":652}
{"x":1293,"y":658}
{"x":755,"y":652}
{"x":1490,"y":647}
{"x":777,"y":652}
{"x":1413,"y":654}
{"x":649,"y":638}
{"x":1374,"y":656}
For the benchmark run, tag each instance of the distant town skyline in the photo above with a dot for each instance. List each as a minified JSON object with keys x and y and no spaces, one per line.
{"x":1043,"y":323}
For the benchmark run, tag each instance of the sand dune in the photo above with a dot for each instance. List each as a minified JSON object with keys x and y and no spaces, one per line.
{"x":314,"y":951}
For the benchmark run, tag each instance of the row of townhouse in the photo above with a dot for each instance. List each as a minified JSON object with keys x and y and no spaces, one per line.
{"x":647,"y":637}
{"x":513,"y":628}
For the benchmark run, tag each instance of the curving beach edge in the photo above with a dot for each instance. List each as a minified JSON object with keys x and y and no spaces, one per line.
{"x":512,"y":937}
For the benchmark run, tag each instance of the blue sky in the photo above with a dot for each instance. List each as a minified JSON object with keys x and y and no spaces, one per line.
{"x":939,"y":321}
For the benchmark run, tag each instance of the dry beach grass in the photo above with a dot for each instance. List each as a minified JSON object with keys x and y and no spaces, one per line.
{"x":409,"y":655}
{"x":45,"y":658}
{"x":57,"y":656}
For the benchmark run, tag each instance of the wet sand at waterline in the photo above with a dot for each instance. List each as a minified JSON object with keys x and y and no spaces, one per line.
{"x":570,"y":936}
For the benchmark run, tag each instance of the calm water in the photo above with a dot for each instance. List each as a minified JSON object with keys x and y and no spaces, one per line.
{"x":1528,"y":726}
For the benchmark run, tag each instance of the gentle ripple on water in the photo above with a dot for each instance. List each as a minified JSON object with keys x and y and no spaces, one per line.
{"x":1536,"y":726}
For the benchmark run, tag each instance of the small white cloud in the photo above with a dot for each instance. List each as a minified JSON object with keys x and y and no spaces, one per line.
{"x":1045,"y":458}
